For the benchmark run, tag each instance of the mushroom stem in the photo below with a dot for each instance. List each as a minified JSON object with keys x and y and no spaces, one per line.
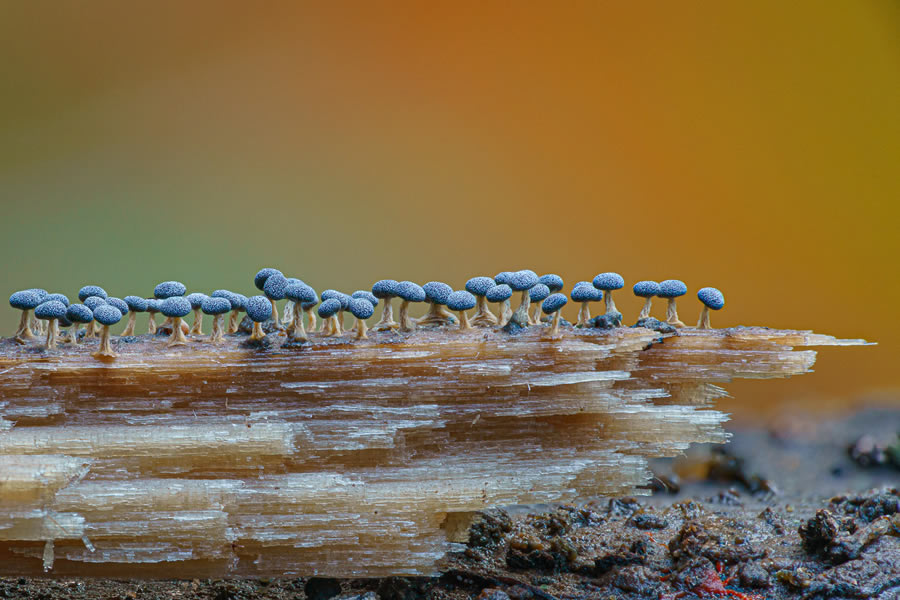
{"x":554,"y":329}
{"x":105,"y":349}
{"x":387,"y":316}
{"x":197,"y":327}
{"x":91,"y":330}
{"x":275,"y":315}
{"x":521,"y":313}
{"x":361,"y":329}
{"x":506,"y":312}
{"x":51,"y":335}
{"x":129,"y":326}
{"x":216,"y":336}
{"x":672,"y":314}
{"x":311,"y":315}
{"x":535,"y":317}
{"x":287,"y":315}
{"x":151,"y":325}
{"x":437,"y":315}
{"x":233,"y":322}
{"x":610,"y":303}
{"x":645,"y":312}
{"x":73,"y":335}
{"x":177,"y":338}
{"x":463,"y":321}
{"x":704,"y":323}
{"x":406,"y":323}
{"x":258,"y":332}
{"x":483,"y":317}
{"x":584,"y":315}
{"x":36,"y":325}
{"x":339,"y":322}
{"x":24,"y":332}
{"x":297,"y":332}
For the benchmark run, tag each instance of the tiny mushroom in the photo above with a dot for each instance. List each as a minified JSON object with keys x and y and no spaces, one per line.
{"x":259,"y":309}
{"x":537,"y":294}
{"x":196,"y":299}
{"x":646,"y":290}
{"x":78,"y":313}
{"x":176,"y":308}
{"x":365,"y":295}
{"x":461,"y":301}
{"x":308,"y":310}
{"x":608,"y":282}
{"x":585,"y":293}
{"x":52,"y":311}
{"x":501,"y":293}
{"x":166,"y":290}
{"x":274,"y":291}
{"x":135,"y":304}
{"x":335,"y":324}
{"x":58,"y":297}
{"x":386,"y":289}
{"x":287,"y":314}
{"x":153,"y":306}
{"x":552,"y":305}
{"x":36,"y":324}
{"x":552,"y":281}
{"x":106,"y":315}
{"x":118,"y":303}
{"x":712,"y":299}
{"x":327,"y":310}
{"x":92,"y":290}
{"x":408,"y":291}
{"x":362,"y":309}
{"x":671,"y":289}
{"x":479,"y":286}
{"x":436,"y":293}
{"x":26,"y":301}
{"x":216,"y":308}
{"x":259,"y":280}
{"x":298,"y":294}
{"x":238,"y":303}
{"x":92,"y":302}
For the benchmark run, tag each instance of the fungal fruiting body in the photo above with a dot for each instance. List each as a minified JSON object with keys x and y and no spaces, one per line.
{"x":92,"y":302}
{"x":51,"y":311}
{"x":609,"y":282}
{"x":501,"y":293}
{"x":552,"y":306}
{"x":135,"y":304}
{"x":176,"y":308}
{"x":287,"y":313}
{"x":259,"y":280}
{"x":153,"y":306}
{"x":364,"y":295}
{"x":120,"y":304}
{"x":335,"y":323}
{"x":461,"y":301}
{"x":78,"y":313}
{"x":37,"y":326}
{"x":238,"y":303}
{"x":712,"y":299}
{"x":274,"y":291}
{"x":106,"y":315}
{"x":585,"y":293}
{"x":646,"y":290}
{"x":196,"y":301}
{"x":386,"y":290}
{"x":26,"y":301}
{"x":537,"y":294}
{"x":672,"y":289}
{"x":259,"y":309}
{"x":299,"y":294}
{"x":164,"y":291}
{"x":362,"y":309}
{"x":216,"y":308}
{"x":502,"y":278}
{"x":307,"y":308}
{"x":326,"y":311}
{"x":479,"y":286}
{"x":408,"y":292}
{"x":522,"y":281}
{"x":436,"y":293}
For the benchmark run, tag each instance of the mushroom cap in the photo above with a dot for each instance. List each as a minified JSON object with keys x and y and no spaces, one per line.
{"x":58,"y":297}
{"x":671,"y":288}
{"x":329,"y":308}
{"x":196,"y":299}
{"x":410,"y":291}
{"x":341,"y":297}
{"x":260,"y":279}
{"x":215,"y":306}
{"x":711,"y":297}
{"x":361,"y":308}
{"x":293,"y":280}
{"x":169,"y":289}
{"x":41,"y":292}
{"x":274,"y":286}
{"x":51,"y":309}
{"x":538,"y":292}
{"x":608,"y":282}
{"x":92,"y":302}
{"x":646,"y":289}
{"x":436,"y":292}
{"x":240,"y":300}
{"x":64,"y":321}
{"x":299,"y":292}
{"x":233,"y":299}
{"x":369,"y":296}
{"x":553,"y":303}
{"x":153,"y":305}
{"x":91,"y":290}
{"x":259,"y":309}
{"x":523,"y":280}
{"x":136,"y":303}
{"x":25,"y":300}
{"x":176,"y":306}
{"x":552,"y":281}
{"x":79,"y":313}
{"x":385,"y":288}
{"x":502,"y":277}
{"x":311,"y":303}
{"x":461,"y":300}
{"x":586,"y":293}
{"x":479,"y":285}
{"x":107,"y":314}
{"x":118,"y":303}
{"x":499,"y":293}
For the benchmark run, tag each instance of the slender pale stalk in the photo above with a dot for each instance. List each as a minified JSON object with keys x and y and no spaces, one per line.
{"x":584,"y":315}
{"x":73,"y":335}
{"x":437,"y":315}
{"x":297,"y":331}
{"x":37,"y":326}
{"x":177,"y":338}
{"x":506,"y":312}
{"x":197,"y":327}
{"x":521,"y":314}
{"x":91,"y":330}
{"x":361,"y":329}
{"x":483,"y":317}
{"x":387,"y":316}
{"x":216,"y":336}
{"x":233,"y":322}
{"x":672,"y":314}
{"x":51,"y":334}
{"x":406,"y":324}
{"x":129,"y":326}
{"x":311,"y":315}
{"x":275,"y":315}
{"x":105,"y":350}
{"x":258,"y":332}
{"x":610,"y":303}
{"x":287,"y":315}
{"x":704,"y":323}
{"x":24,"y":332}
{"x":554,"y":328}
{"x":151,"y":325}
{"x":645,"y":312}
{"x":339,"y":322}
{"x":463,"y":321}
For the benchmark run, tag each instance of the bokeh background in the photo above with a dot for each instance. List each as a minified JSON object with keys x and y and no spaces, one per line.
{"x":750,"y":146}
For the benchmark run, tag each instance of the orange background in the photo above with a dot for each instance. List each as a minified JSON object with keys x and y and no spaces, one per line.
{"x":751,"y":147}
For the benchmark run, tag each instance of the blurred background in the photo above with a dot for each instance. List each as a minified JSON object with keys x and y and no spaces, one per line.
{"x":750,"y":147}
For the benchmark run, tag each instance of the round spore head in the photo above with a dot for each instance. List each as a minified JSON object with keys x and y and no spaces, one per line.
{"x":411,"y":291}
{"x":239,"y":302}
{"x":91,"y":290}
{"x":25,"y":300}
{"x":153,"y":305}
{"x":522,"y":280}
{"x":215,"y":306}
{"x":274,"y":286}
{"x":479,"y":285}
{"x":293,"y":280}
{"x":92,"y":302}
{"x":136,"y":304}
{"x":234,"y":299}
{"x":176,"y":306}
{"x":58,"y":297}
{"x":312,"y":303}
{"x":499,"y":293}
{"x":553,"y":303}
{"x":361,"y":308}
{"x":552,"y":281}
{"x":369,"y":296}
{"x":436,"y":292}
{"x":461,"y":300}
{"x":711,"y":297}
{"x":260,"y":279}
{"x":646,"y":289}
{"x":118,"y":303}
{"x":671,"y":288}
{"x":538,"y":292}
{"x":40,"y":292}
{"x":196,"y":300}
{"x":79,"y":313}
{"x":300,"y":292}
{"x":329,"y":308}
{"x":169,"y":289}
{"x":608,"y":282}
{"x":341,"y":297}
{"x":51,"y":309}
{"x":107,"y":314}
{"x":502,"y":277}
{"x":386,"y":288}
{"x":259,"y":309}
{"x":586,"y":293}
